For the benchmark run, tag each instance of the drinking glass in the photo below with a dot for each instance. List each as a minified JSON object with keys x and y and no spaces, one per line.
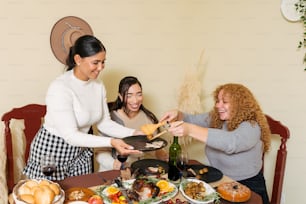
{"x":122,"y":158}
{"x":48,"y":165}
{"x":182,"y":163}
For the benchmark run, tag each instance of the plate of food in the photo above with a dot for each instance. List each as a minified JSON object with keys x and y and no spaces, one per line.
{"x":78,"y":194}
{"x":150,"y":167}
{"x":234,"y":192}
{"x":205,"y":173}
{"x":142,"y":143}
{"x":141,"y":190}
{"x":198,"y":191}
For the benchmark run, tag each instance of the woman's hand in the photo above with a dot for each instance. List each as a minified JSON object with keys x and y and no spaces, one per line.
{"x":138,"y":132}
{"x":172,"y":115}
{"x":178,"y":128}
{"x":123,"y":148}
{"x":188,"y":129}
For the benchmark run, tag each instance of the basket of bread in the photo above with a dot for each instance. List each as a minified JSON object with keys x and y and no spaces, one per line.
{"x":33,"y":191}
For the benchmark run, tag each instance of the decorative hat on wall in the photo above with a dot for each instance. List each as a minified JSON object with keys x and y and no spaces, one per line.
{"x":64,"y":33}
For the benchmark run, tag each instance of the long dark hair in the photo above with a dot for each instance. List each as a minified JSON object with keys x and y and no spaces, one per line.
{"x":85,"y":46}
{"x":124,"y":86}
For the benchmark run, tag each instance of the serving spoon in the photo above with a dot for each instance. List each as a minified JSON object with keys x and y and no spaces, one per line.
{"x":152,"y":137}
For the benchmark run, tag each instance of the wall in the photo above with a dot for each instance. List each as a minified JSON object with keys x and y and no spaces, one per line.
{"x":158,"y":41}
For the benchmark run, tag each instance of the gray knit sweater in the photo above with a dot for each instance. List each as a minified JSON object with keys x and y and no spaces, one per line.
{"x":237,"y":153}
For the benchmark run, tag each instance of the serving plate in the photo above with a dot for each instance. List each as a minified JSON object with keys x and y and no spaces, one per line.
{"x":144,"y":164}
{"x":139,"y":142}
{"x":211,"y":175}
{"x":210,"y":193}
{"x":128,"y":185}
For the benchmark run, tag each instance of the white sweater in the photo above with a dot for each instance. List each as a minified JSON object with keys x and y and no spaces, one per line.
{"x":73,"y":106}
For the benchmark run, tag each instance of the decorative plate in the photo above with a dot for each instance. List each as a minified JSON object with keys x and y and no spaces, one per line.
{"x":210,"y":193}
{"x":128,"y":185}
{"x":141,"y":143}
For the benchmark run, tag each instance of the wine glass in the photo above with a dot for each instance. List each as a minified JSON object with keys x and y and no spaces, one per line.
{"x":122,"y":158}
{"x":182,"y":162}
{"x":48,"y":165}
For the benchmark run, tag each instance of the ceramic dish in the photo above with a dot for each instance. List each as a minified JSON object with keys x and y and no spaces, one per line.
{"x":139,"y":142}
{"x":128,"y":185}
{"x":145,"y":164}
{"x":211,"y":175}
{"x":58,"y":199}
{"x":210,"y":193}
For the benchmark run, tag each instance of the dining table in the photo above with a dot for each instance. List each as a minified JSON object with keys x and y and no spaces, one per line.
{"x":96,"y":179}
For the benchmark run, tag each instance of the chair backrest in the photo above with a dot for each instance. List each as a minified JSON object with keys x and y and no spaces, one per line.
{"x":32,"y":115}
{"x":278,"y":128}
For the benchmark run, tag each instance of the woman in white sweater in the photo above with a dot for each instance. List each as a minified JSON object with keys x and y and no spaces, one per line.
{"x":75,"y":101}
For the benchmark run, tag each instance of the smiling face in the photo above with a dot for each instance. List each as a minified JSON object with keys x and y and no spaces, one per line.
{"x":223,"y":106}
{"x":133,"y":99}
{"x":89,"y":67}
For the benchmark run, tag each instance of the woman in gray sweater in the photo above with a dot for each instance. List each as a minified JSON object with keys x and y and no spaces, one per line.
{"x":235,"y":132}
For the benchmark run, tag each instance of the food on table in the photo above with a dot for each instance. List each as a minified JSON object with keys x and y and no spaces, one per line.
{"x":78,"y":194}
{"x":155,"y":144}
{"x":195,"y":190}
{"x":143,"y":189}
{"x":115,"y":195}
{"x":203,"y":170}
{"x":190,"y":170}
{"x":234,"y":192}
{"x":149,"y":129}
{"x":112,"y":190}
{"x":38,"y":192}
{"x":164,"y":186}
{"x":95,"y":199}
{"x":176,"y":201}
{"x":156,"y":170}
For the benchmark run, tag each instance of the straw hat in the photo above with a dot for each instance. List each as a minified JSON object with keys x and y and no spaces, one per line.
{"x":64,"y":33}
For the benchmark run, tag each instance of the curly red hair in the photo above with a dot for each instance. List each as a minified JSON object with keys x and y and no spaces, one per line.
{"x":244,"y":108}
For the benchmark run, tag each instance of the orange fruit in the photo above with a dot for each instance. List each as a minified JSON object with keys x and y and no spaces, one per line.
{"x":112,"y":190}
{"x":163,"y":185}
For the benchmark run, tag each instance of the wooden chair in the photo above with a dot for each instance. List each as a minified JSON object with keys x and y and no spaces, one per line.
{"x":32,"y":115}
{"x":278,"y":128}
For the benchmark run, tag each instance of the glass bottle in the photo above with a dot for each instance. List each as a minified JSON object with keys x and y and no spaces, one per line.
{"x":174,"y":153}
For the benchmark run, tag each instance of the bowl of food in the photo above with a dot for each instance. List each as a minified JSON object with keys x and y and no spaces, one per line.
{"x":198,"y":191}
{"x":38,"y":191}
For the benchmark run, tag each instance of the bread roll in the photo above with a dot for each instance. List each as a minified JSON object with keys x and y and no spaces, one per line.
{"x":31,"y":183}
{"x":44,"y":182}
{"x":54,"y":187}
{"x":27,"y":198}
{"x":44,"y":195}
{"x":24,"y":189}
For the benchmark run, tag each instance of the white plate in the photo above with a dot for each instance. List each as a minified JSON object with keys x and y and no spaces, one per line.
{"x":128,"y":184}
{"x":209,"y":190}
{"x":288,"y":10}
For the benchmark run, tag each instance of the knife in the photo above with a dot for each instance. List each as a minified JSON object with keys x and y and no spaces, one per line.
{"x":123,"y":190}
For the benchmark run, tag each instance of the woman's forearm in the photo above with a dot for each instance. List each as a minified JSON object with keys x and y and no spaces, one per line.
{"x":197,"y":132}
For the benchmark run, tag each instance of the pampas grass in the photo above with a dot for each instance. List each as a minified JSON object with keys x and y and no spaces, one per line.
{"x":190,"y":98}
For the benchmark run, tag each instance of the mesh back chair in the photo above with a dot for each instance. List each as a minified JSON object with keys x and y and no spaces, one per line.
{"x":278,"y":128}
{"x":32,"y":115}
